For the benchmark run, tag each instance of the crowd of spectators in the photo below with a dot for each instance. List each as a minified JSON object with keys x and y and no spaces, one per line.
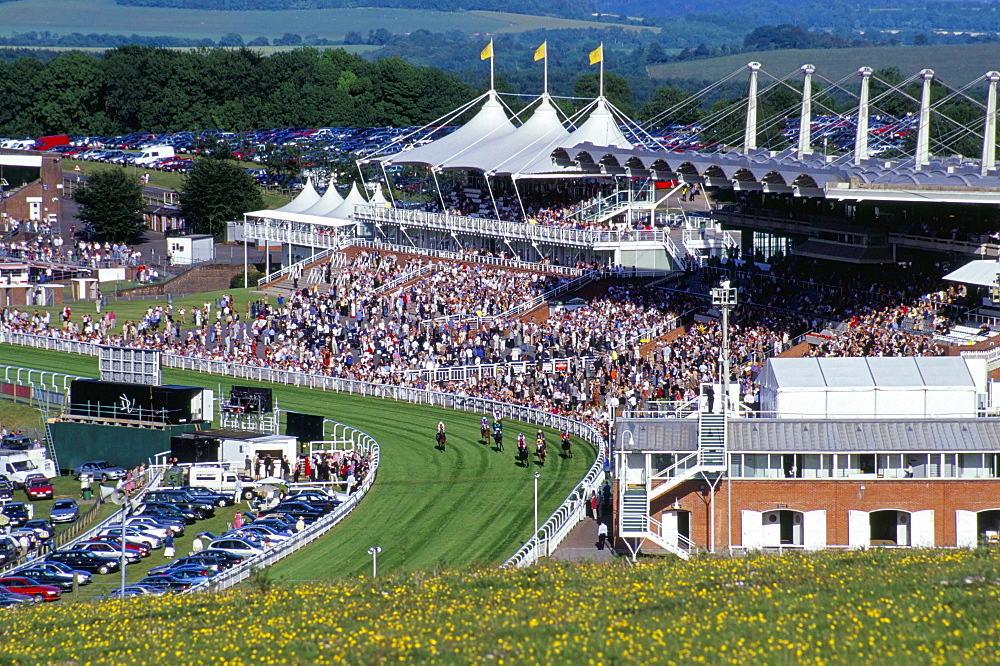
{"x":52,"y":248}
{"x":610,"y":345}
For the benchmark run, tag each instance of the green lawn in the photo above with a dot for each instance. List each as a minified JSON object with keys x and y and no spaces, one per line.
{"x":956,"y":65}
{"x":427,"y":508}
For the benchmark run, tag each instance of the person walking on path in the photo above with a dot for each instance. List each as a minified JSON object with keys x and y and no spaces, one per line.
{"x":602,"y":535}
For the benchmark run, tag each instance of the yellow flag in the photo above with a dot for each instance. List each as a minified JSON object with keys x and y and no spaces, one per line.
{"x":597,"y":55}
{"x":540,"y":52}
{"x":487,"y":52}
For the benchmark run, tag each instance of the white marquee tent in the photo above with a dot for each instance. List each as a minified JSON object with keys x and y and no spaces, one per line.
{"x":875,"y":387}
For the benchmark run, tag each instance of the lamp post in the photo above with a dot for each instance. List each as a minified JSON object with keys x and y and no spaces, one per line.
{"x":537,"y":474}
{"x":724,"y":297}
{"x":374,"y":551}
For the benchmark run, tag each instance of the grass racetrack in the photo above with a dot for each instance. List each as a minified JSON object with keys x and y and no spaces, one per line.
{"x":467,"y":505}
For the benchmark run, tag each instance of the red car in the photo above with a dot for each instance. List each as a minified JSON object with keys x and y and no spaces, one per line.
{"x":31,"y":587}
{"x":38,"y":488}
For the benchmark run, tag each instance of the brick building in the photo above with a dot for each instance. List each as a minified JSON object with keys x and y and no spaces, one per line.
{"x":701,"y":478}
{"x":34,"y":185}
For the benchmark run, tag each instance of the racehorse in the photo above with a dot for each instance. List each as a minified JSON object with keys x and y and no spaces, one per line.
{"x":567,"y":446}
{"x":522,"y":450}
{"x":498,"y":438}
{"x":484,"y":430}
{"x":540,"y":447}
{"x":440,"y":436}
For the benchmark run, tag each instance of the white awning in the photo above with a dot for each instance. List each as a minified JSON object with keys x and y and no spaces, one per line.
{"x":981,"y":272}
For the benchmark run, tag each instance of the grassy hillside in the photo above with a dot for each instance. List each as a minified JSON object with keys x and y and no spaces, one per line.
{"x":467,"y":505}
{"x":875,"y":607}
{"x":956,"y":65}
{"x":104,"y":16}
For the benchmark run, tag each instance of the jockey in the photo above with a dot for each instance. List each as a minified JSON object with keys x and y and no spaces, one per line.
{"x":441,"y":427}
{"x":521,"y":444}
{"x":565,"y":437}
{"x":497,"y":427}
{"x":484,"y":423}
{"x":540,"y":441}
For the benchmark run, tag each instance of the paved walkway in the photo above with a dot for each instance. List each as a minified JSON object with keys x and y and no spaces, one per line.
{"x":581,"y":544}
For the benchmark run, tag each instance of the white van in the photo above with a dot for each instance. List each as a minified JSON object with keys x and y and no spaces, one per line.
{"x":17,"y":467}
{"x":154,"y":154}
{"x":221,"y":480}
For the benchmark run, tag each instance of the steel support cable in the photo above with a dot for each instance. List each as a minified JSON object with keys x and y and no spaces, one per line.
{"x":698,"y":96}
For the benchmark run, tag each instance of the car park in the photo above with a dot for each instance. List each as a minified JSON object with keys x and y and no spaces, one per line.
{"x":31,"y":587}
{"x":38,"y":488}
{"x":64,"y":511}
{"x":99,"y":469}
{"x":84,"y":560}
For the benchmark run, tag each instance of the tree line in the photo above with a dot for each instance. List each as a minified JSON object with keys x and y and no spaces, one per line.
{"x":150,"y":89}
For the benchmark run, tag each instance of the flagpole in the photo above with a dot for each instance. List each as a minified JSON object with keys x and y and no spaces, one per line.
{"x":601,"y":92}
{"x":546,"y":59}
{"x":492,"y":85}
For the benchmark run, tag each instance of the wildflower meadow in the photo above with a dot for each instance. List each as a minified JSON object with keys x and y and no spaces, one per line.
{"x":878,"y":606}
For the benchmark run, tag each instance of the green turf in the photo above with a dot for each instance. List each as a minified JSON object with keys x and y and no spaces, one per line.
{"x":463,"y":506}
{"x":956,"y":64}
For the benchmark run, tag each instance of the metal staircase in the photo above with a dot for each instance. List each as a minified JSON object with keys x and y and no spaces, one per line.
{"x":712,"y":442}
{"x":708,"y":461}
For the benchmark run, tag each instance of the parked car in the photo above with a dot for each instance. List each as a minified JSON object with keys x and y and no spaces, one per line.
{"x":132,"y":535}
{"x":109,"y":551}
{"x":165,"y":583}
{"x":43,"y":528}
{"x":53,"y":573}
{"x":31,"y":587}
{"x":56,"y":568}
{"x":236,"y":546}
{"x":115,"y":542}
{"x":130,"y":591}
{"x":13,"y":599}
{"x":64,"y":511}
{"x":17,"y":512}
{"x":38,"y":488}
{"x":152,"y":526}
{"x":204,"y":494}
{"x":16,"y":443}
{"x":229,"y":559}
{"x":6,"y":490}
{"x":209,"y":563}
{"x":99,"y":469}
{"x":201,"y":509}
{"x":85,"y":560}
{"x":165,"y":510}
{"x":192,"y":574}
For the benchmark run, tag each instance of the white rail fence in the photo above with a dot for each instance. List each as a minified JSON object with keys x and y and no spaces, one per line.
{"x":549,"y":535}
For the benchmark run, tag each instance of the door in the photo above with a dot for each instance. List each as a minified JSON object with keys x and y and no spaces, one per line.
{"x":669,"y":522}
{"x":751,"y":527}
{"x":770,"y":528}
{"x":903,"y":529}
{"x":966,"y":524}
{"x":922,"y":529}
{"x":35,"y":210}
{"x":858,"y":529}
{"x":814,"y":530}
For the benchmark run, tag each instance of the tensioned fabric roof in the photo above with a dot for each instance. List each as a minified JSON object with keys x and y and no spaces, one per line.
{"x":489,"y":124}
{"x":329,"y":201}
{"x":306,"y":198}
{"x":541,"y":130}
{"x":981,"y":272}
{"x":345,"y":211}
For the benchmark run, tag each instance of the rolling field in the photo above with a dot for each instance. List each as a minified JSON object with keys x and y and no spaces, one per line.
{"x":464,"y":506}
{"x":104,"y":16}
{"x":956,"y":65}
{"x":875,"y":607}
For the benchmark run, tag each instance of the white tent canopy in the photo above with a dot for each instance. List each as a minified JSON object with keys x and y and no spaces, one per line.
{"x":345,"y":211}
{"x":489,"y":124}
{"x":875,"y":387}
{"x":307,"y":198}
{"x":329,"y":201}
{"x":981,"y":272}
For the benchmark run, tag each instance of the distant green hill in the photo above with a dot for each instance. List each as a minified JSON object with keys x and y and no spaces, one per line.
{"x":955,"y":65}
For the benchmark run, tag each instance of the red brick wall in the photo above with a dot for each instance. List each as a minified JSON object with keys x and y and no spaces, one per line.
{"x":48,"y":187}
{"x":944,"y":497}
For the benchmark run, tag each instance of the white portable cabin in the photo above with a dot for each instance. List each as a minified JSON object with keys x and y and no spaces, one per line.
{"x":187,"y":250}
{"x":235,"y":451}
{"x":875,"y":387}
